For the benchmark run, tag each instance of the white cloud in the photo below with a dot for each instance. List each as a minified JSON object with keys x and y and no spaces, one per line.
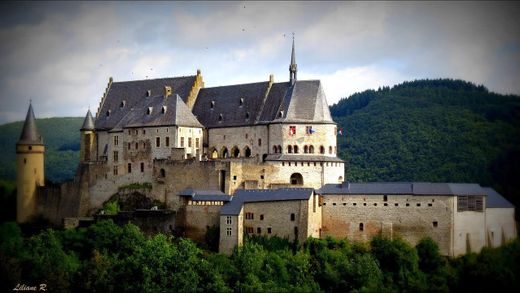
{"x":345,"y":82}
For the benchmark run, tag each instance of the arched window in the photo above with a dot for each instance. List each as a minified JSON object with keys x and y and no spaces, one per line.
{"x":224,"y":153}
{"x":295,"y":149}
{"x":163,"y":173}
{"x":305,"y":149}
{"x":330,"y":150}
{"x":311,"y":149}
{"x":296,"y":179}
{"x":340,"y":179}
{"x":235,"y":152}
{"x":289,"y":149}
{"x":214,"y":153}
{"x":275,"y":149}
{"x":247,"y":152}
{"x":279,"y":149}
{"x":322,"y":149}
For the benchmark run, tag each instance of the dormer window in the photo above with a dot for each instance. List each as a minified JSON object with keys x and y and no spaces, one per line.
{"x":247,"y":115}
{"x":123,"y":104}
{"x":149,"y":111}
{"x":280,"y":115}
{"x":163,"y":110}
{"x":220,"y":118}
{"x":212,"y":104}
{"x":148,"y":93}
{"x":241,"y":101}
{"x":108,"y":113}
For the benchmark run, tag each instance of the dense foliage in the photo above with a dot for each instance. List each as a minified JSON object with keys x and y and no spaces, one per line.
{"x":432,"y":130}
{"x":61,"y":138}
{"x":108,"y":258}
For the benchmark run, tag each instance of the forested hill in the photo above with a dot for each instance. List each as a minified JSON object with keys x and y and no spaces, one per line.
{"x":432,"y":130}
{"x":61,"y":138}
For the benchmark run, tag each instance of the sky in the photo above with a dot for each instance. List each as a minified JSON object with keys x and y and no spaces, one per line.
{"x":60,"y":55}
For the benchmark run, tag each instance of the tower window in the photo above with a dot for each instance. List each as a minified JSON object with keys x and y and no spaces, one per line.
{"x":129,"y":168}
{"x":25,"y":161}
{"x":158,"y":142}
{"x":142,"y":167}
{"x":293,"y":217}
{"x":361,"y":227}
{"x":167,"y":141}
{"x":259,"y":142}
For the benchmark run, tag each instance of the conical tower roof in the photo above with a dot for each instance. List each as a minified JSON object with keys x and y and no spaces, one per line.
{"x":30,"y":133}
{"x":88,"y":123}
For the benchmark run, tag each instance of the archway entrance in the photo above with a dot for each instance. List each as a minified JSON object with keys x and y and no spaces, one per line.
{"x":296,"y":179}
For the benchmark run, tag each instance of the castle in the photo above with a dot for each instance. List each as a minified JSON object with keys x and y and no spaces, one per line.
{"x":257,"y":158}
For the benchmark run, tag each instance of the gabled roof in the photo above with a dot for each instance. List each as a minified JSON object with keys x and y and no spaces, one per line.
{"x":246,"y":104}
{"x":150,"y":113}
{"x":30,"y":134}
{"x":88,"y":123}
{"x":123,"y":96}
{"x":226,"y":102}
{"x":242,"y":196}
{"x":495,"y":200}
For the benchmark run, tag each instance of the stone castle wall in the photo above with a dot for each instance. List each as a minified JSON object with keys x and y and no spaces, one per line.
{"x":361,"y":217}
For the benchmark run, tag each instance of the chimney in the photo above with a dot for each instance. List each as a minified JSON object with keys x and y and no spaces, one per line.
{"x":167,"y":91}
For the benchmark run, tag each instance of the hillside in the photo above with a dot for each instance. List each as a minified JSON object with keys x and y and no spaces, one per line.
{"x":61,"y":138}
{"x":432,"y":130}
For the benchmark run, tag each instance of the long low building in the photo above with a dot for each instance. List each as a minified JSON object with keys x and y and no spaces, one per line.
{"x":460,"y":217}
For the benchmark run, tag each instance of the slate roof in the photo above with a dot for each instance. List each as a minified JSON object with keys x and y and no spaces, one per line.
{"x":226,"y":102}
{"x":88,"y":123}
{"x":305,"y":158}
{"x":176,"y":112}
{"x":495,"y":200}
{"x":242,"y":196}
{"x":132,"y":93}
{"x":403,"y":188}
{"x":30,"y":134}
{"x":303,"y":102}
{"x":202,"y":194}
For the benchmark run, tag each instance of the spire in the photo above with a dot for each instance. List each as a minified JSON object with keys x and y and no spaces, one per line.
{"x":292,"y":67}
{"x":88,"y":123}
{"x":30,"y":133}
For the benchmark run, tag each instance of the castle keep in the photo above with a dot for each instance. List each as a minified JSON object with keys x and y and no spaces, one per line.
{"x":257,"y":158}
